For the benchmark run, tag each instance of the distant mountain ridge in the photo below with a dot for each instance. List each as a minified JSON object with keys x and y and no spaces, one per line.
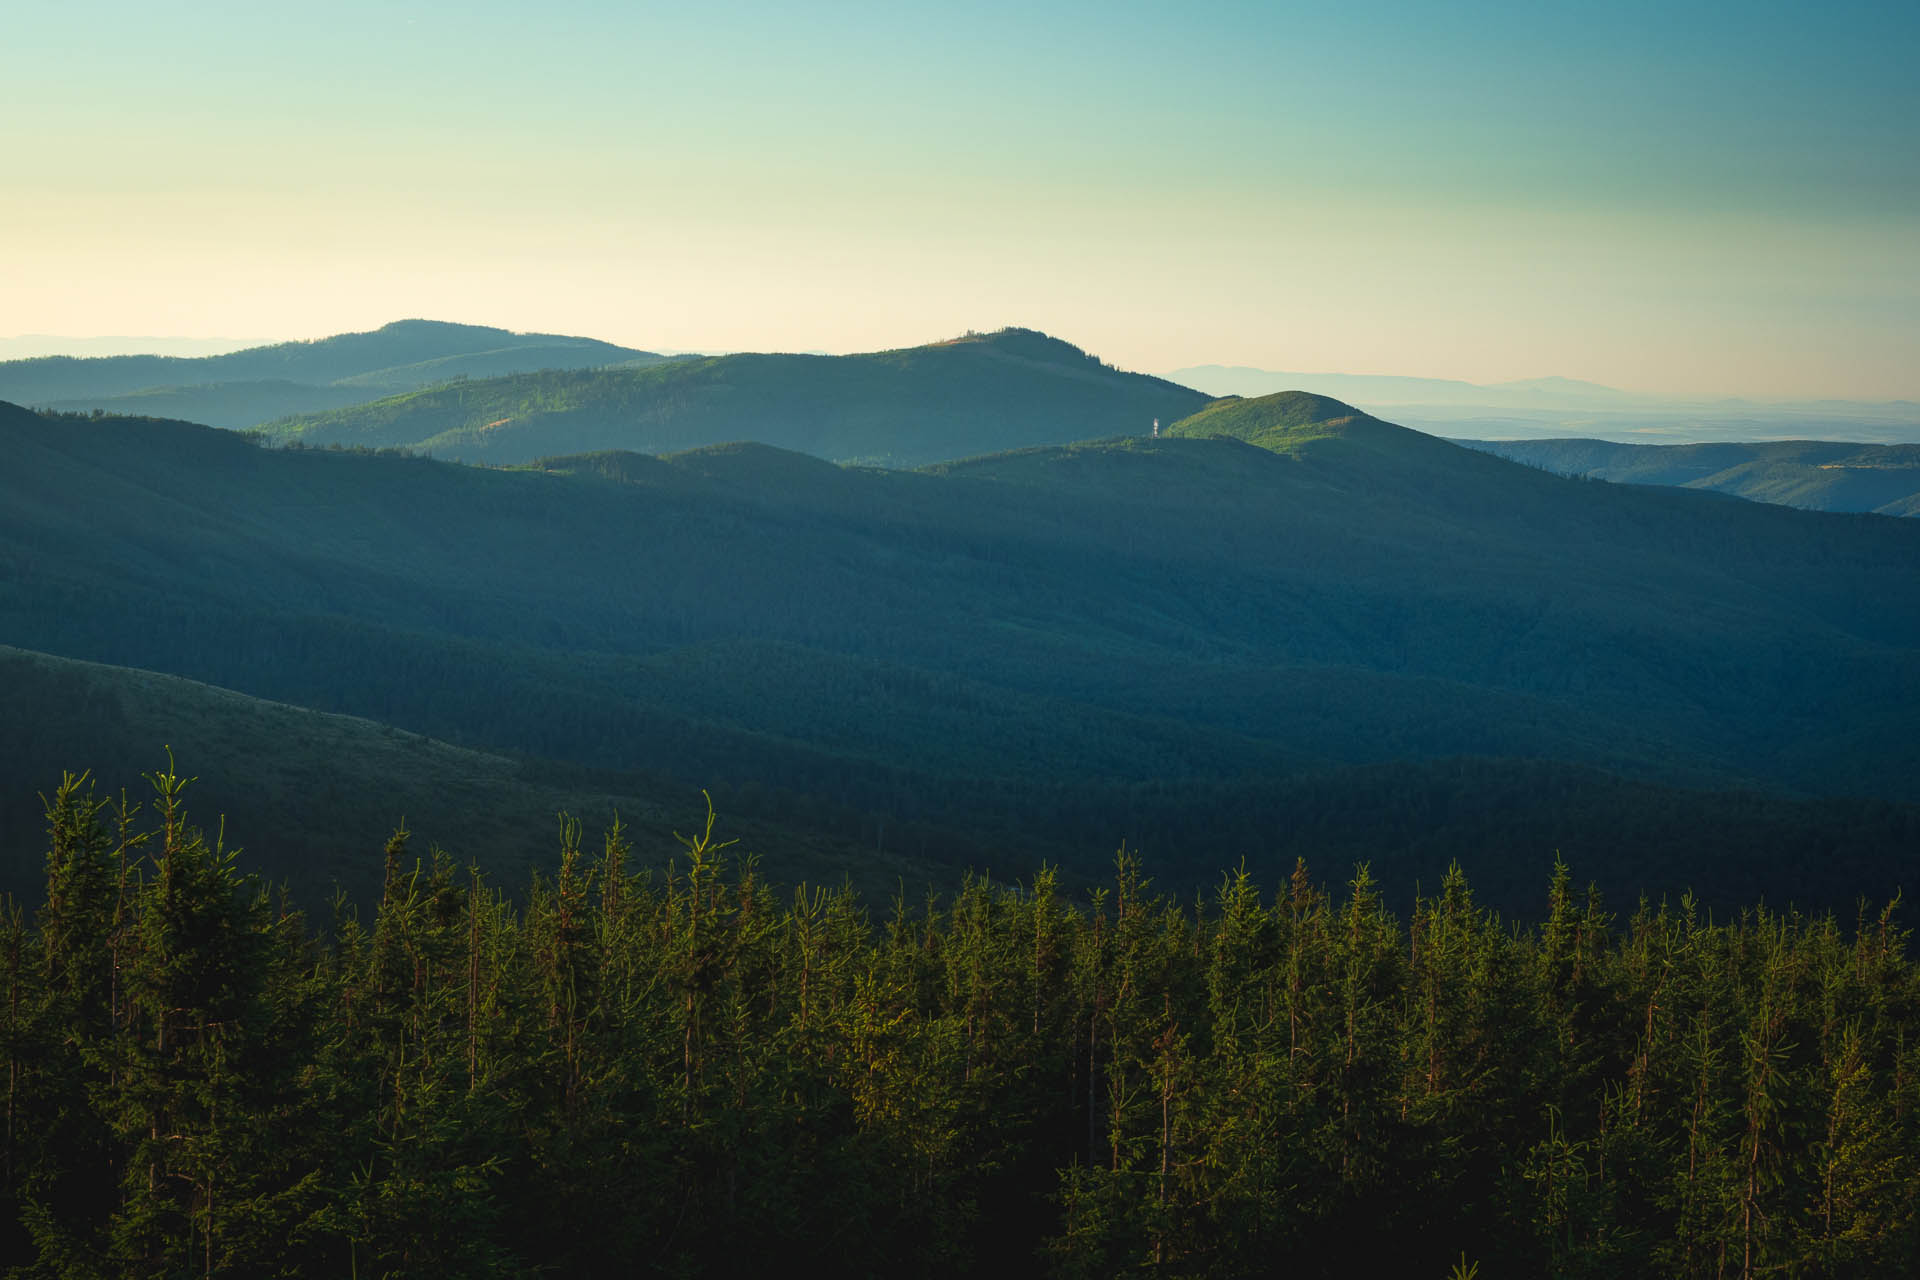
{"x":1392,"y":389}
{"x":241,"y":388}
{"x":1815,"y":474}
{"x":980,"y":393}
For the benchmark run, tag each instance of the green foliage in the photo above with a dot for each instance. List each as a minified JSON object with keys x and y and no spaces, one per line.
{"x":1279,"y":421}
{"x":669,"y":1070}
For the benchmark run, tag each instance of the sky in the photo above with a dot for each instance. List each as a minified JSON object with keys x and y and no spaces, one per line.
{"x":1676,"y":197}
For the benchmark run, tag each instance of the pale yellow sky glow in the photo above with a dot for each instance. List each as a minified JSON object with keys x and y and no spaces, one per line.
{"x":1485,"y":295}
{"x":768,"y":193}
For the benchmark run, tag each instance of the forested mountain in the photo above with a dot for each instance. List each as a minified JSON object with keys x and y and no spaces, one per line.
{"x":318,"y":794}
{"x":246,"y":387}
{"x":1193,"y":643}
{"x":978,"y":394}
{"x":1821,"y":475}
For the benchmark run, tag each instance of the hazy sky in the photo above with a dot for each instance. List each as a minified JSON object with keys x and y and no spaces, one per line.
{"x":1672,"y":196}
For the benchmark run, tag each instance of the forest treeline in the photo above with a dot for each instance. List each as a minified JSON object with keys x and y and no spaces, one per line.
{"x":627,"y":1068}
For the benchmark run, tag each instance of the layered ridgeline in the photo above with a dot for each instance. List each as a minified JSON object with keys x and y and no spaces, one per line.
{"x":978,"y":394}
{"x":1353,"y":641}
{"x":1821,"y":475}
{"x":243,"y":388}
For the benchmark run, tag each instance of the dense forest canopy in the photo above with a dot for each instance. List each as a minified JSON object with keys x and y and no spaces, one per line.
{"x":682,"y":1071}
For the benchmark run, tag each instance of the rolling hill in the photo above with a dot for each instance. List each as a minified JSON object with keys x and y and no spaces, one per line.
{"x":318,"y":794}
{"x":1819,"y":475}
{"x":242,"y":388}
{"x":978,"y":394}
{"x":1189,"y":641}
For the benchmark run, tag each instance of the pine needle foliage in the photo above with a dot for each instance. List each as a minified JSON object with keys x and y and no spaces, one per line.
{"x":641,"y":1064}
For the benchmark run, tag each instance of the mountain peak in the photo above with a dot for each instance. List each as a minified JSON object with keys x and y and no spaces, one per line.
{"x":1301,"y":424}
{"x":417,"y":324}
{"x":1029,"y":344}
{"x":1276,"y":421}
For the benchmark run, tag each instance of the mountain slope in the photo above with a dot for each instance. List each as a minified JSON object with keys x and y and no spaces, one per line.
{"x":318,"y":794}
{"x":1816,"y":474}
{"x":1287,"y":421}
{"x":1037,"y":651}
{"x":977,"y":394}
{"x":245,"y":387}
{"x":1346,"y":446}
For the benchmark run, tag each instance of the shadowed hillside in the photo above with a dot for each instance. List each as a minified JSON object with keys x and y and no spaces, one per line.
{"x":318,"y":794}
{"x":1033,"y":653}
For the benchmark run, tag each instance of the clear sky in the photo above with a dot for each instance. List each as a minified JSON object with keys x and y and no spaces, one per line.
{"x":1668,"y":197}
